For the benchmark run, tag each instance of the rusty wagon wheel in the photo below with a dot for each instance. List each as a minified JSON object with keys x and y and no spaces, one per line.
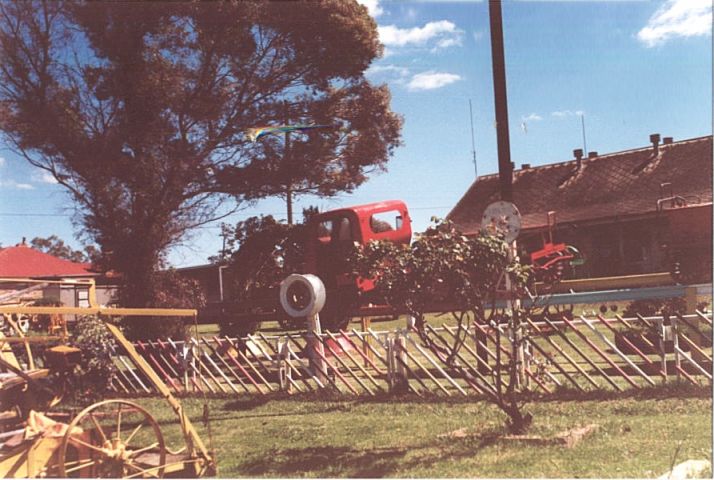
{"x":113,"y":439}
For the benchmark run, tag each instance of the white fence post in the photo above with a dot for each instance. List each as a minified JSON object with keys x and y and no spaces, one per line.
{"x":283,"y":363}
{"x":389,"y":344}
{"x":401,"y":361}
{"x":662,"y":350}
{"x":675,"y":342}
{"x":316,"y":348}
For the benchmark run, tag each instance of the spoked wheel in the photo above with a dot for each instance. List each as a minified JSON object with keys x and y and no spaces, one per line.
{"x":113,"y":439}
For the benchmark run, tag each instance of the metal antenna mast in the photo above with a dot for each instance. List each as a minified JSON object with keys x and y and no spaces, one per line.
{"x":582,"y":123}
{"x":473,"y":142}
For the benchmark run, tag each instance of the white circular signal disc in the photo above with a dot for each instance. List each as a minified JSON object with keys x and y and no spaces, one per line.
{"x":502,"y":218}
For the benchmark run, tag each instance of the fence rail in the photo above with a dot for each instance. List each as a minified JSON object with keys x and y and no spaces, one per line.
{"x":580,"y":353}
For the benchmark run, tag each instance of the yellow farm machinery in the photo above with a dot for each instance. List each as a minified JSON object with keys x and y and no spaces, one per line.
{"x":114,"y":438}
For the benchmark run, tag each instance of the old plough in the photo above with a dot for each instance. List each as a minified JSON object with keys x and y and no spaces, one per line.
{"x":114,"y":438}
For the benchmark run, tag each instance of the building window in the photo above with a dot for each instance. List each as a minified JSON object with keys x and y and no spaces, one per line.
{"x":636,"y":249}
{"x":82,"y":297}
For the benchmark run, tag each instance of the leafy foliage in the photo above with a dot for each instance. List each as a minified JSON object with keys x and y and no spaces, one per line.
{"x":56,"y":247}
{"x":268,"y":252}
{"x":442,"y":266}
{"x":656,"y":306}
{"x":140,"y":110}
{"x":464,"y":275}
{"x":93,"y":376}
{"x":263,"y":252}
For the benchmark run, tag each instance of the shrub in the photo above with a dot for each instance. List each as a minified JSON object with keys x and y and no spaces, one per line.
{"x":93,"y":376}
{"x":443,"y":266}
{"x":656,"y":306}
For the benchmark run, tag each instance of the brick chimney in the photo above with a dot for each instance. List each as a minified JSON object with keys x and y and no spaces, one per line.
{"x":654,"y":138}
{"x":578,"y":154}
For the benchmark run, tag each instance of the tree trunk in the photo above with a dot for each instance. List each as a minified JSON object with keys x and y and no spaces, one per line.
{"x":141,"y":288}
{"x":518,"y":422}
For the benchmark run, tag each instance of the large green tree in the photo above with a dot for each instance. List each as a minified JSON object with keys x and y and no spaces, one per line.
{"x":140,"y":110}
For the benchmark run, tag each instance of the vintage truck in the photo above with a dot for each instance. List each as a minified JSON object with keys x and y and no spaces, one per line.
{"x":329,"y":237}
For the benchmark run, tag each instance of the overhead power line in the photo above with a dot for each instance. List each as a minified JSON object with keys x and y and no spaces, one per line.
{"x":15,"y":214}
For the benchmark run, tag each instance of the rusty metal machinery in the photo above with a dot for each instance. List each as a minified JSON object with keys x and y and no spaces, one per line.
{"x":110,"y":439}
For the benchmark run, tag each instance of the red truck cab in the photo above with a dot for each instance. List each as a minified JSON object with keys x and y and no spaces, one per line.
{"x":331,"y":236}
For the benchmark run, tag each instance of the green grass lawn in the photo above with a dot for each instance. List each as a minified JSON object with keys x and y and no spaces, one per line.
{"x":399,"y":437}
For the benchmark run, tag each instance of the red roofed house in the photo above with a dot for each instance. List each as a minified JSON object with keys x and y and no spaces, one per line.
{"x":629,"y":212}
{"x":24,"y":262}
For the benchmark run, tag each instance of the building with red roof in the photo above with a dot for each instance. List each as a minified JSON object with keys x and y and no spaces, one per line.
{"x":22,"y":261}
{"x":631,"y":212}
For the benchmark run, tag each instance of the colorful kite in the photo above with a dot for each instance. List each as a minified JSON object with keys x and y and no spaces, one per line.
{"x":256,"y":133}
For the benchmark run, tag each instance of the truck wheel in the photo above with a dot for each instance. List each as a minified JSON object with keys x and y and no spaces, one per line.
{"x":336,"y":313}
{"x":335,"y":322}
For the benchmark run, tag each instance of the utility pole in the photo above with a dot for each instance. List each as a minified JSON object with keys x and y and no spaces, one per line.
{"x":286,"y":160}
{"x":505,"y":169}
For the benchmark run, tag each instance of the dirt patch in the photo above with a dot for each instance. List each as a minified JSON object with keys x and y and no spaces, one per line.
{"x":568,"y":438}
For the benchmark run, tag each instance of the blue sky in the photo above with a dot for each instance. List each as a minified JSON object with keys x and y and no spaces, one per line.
{"x":632,"y":68}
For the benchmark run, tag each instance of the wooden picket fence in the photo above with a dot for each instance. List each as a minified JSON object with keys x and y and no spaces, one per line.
{"x":581,"y":354}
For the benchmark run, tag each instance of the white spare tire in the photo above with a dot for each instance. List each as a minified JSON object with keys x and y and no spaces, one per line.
{"x":302,"y":295}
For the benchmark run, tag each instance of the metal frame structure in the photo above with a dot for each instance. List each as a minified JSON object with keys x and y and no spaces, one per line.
{"x":197,"y":456}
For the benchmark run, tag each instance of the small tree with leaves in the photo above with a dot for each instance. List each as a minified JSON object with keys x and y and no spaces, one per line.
{"x":464,"y":275}
{"x":262,"y":252}
{"x":55,"y":246}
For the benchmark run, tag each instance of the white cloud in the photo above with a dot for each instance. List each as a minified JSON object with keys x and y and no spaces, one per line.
{"x":390,"y":70}
{"x":388,"y":73}
{"x":478,"y":35}
{"x":431,"y":80}
{"x":448,"y":42}
{"x":567,"y":113}
{"x":373,"y":6}
{"x":677,"y":18}
{"x":2,"y":161}
{"x":533,"y":117}
{"x":15,"y":185}
{"x":441,"y":34}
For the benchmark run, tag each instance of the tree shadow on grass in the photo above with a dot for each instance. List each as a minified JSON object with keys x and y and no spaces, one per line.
{"x":673,"y":389}
{"x":326,"y":461}
{"x":249,"y":403}
{"x":329,"y":461}
{"x":246,"y":403}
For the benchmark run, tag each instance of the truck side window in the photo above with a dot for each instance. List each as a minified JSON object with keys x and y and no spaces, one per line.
{"x":385,"y":221}
{"x":324,"y":230}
